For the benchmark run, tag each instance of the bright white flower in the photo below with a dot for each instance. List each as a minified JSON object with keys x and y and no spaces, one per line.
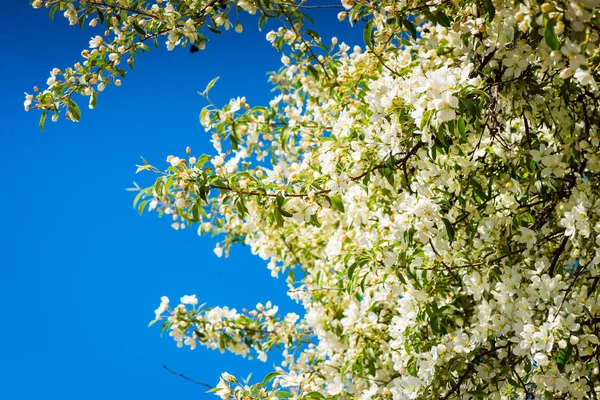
{"x":189,"y":299}
{"x":335,"y":387}
{"x":114,"y":58}
{"x":191,"y":342}
{"x":218,"y":250}
{"x":541,"y":359}
{"x":164,"y":306}
{"x":223,"y":390}
{"x":28,"y":101}
{"x":96,"y":42}
{"x":174,"y":161}
{"x":217,"y":161}
{"x":528,"y":237}
{"x":586,"y":79}
{"x":446,"y":106}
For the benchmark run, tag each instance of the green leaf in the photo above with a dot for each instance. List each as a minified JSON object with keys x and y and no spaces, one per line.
{"x":550,"y":35}
{"x":209,"y":86}
{"x":270,"y":376}
{"x":241,"y":208}
{"x":478,"y":189}
{"x":100,"y":15}
{"x":450,"y":127}
{"x":462,"y":128}
{"x":442,"y":19}
{"x":351,"y":270}
{"x":263,"y":18}
{"x":280,"y":200}
{"x":411,"y":28}
{"x":312,"y":71}
{"x":367,"y":33}
{"x":53,"y":11}
{"x":355,"y":13}
{"x":196,"y":212}
{"x":449,"y":229}
{"x":429,"y":16}
{"x":336,"y":201}
{"x":94,"y":99}
{"x":203,"y":114}
{"x":138,"y":197}
{"x":139,"y":29}
{"x":491,"y":9}
{"x":74,"y":110}
{"x":313,"y":395}
{"x":314,"y":34}
{"x":563,"y":357}
{"x":214,"y":30}
{"x":527,"y":366}
{"x":141,"y":206}
{"x":203,"y":159}
{"x":469,"y":105}
{"x":512,"y":381}
{"x":478,"y":394}
{"x":43,"y":120}
{"x":157,"y":187}
{"x":278,"y":217}
{"x":314,"y":220}
{"x":426,"y":118}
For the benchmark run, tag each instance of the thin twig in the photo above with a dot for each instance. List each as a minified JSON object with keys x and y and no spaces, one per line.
{"x":179,"y":374}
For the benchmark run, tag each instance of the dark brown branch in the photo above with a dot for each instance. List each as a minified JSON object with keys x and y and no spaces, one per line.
{"x":559,"y":251}
{"x":402,"y":161}
{"x":570,"y":288}
{"x":520,"y":381}
{"x":299,"y":35}
{"x":470,"y":370}
{"x":179,"y":374}
{"x":456,"y":278}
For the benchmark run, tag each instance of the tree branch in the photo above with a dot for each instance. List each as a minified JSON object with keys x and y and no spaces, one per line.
{"x":179,"y":374}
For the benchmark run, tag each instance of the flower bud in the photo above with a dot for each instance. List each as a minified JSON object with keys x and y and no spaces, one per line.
{"x":519,"y":16}
{"x":574,"y":340}
{"x":228,"y":377}
{"x":547,"y":8}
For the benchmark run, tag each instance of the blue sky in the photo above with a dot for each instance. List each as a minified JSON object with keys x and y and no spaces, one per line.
{"x":81,"y":271}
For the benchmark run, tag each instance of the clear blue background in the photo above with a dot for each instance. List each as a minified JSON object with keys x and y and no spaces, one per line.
{"x":80,"y":271}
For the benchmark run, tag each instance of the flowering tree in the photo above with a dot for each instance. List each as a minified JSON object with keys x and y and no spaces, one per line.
{"x":432,"y":197}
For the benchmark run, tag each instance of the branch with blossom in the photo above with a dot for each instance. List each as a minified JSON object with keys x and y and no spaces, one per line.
{"x":432,"y":197}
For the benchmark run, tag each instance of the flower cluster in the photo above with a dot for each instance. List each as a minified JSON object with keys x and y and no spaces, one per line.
{"x":432,"y":197}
